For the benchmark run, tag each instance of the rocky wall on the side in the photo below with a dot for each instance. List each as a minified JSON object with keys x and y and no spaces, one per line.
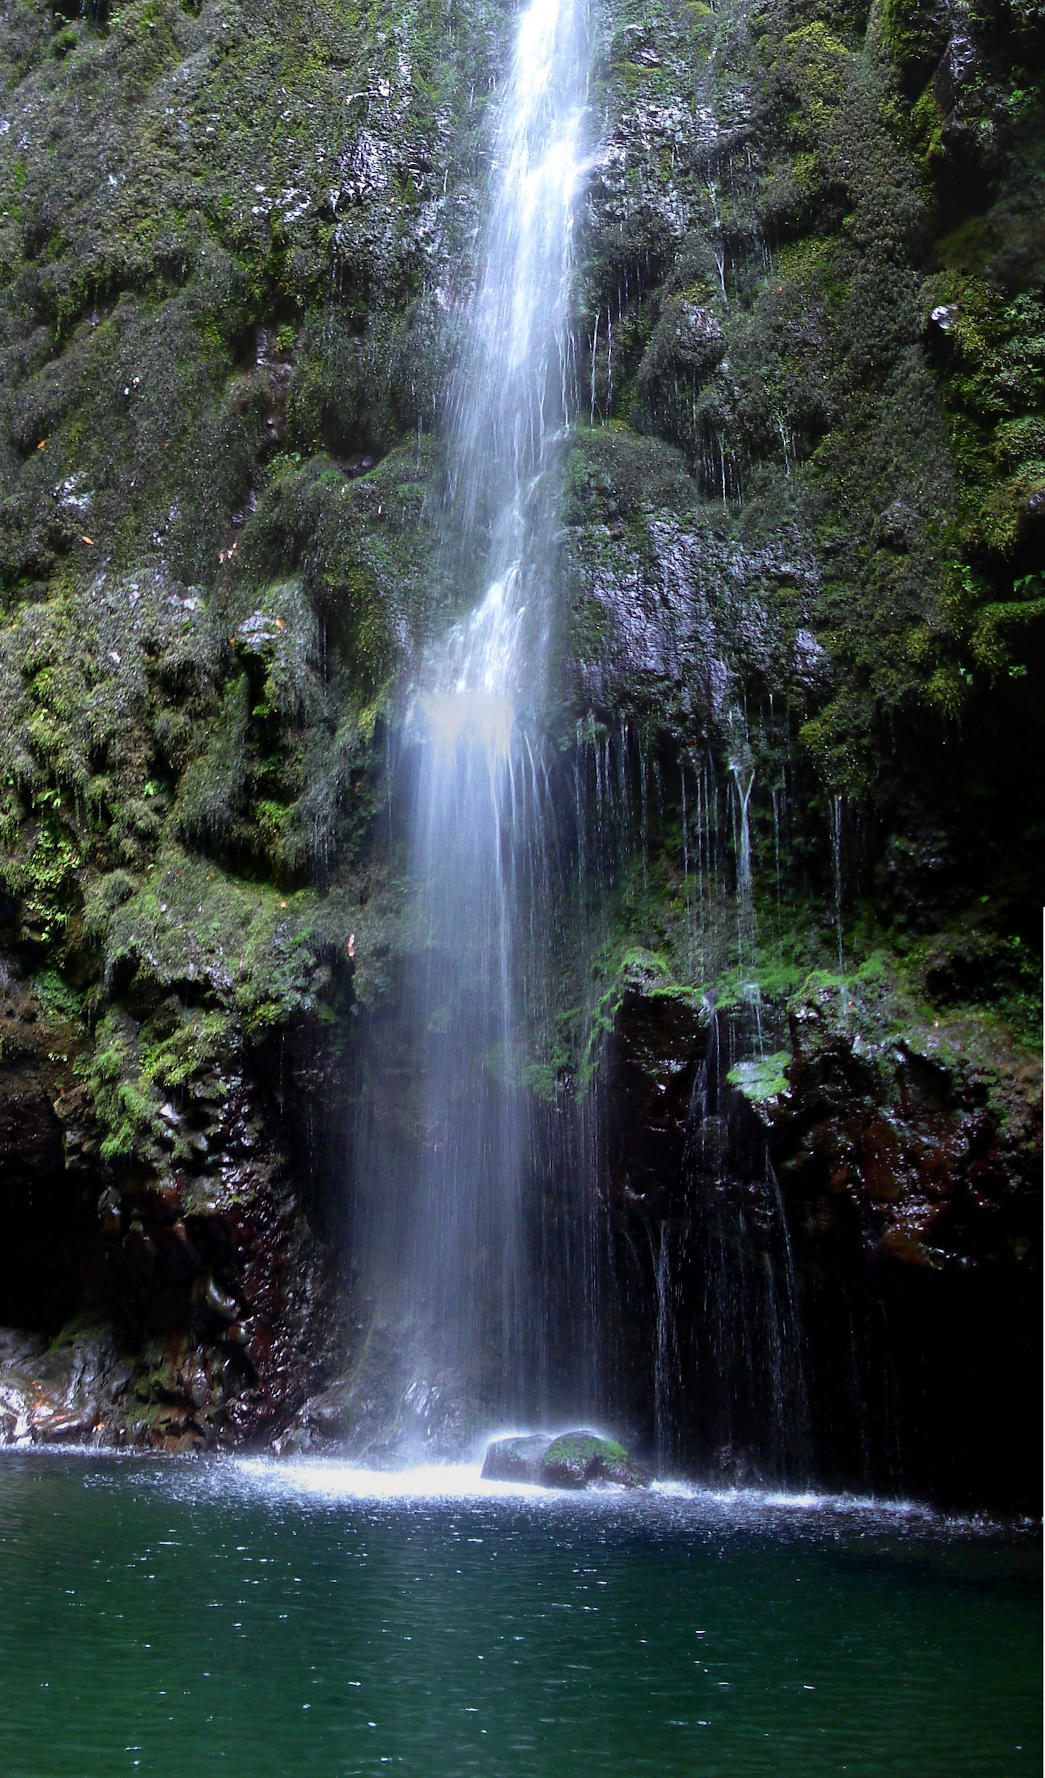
{"x":901,"y":1152}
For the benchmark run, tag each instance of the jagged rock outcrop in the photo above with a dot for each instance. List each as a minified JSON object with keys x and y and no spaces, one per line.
{"x":194,"y":1254}
{"x":72,"y":1392}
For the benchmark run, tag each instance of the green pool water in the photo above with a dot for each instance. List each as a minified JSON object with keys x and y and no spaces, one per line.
{"x":260,"y":1621}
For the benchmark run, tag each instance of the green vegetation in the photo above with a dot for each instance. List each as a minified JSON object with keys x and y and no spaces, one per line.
{"x":764,"y":1078}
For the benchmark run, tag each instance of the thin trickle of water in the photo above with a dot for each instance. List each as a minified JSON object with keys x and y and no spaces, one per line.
{"x":777,"y":796}
{"x":835,"y":808}
{"x":741,"y":1340}
{"x":743,"y":775}
{"x":644,"y":824}
{"x":666,"y":1364}
{"x":687,"y":879}
{"x":789,"y":1378}
{"x":718,"y":248}
{"x":700,"y":861}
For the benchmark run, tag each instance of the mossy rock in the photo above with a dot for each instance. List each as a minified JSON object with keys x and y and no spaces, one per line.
{"x":762,"y":1077}
{"x":578,"y":1459}
{"x":565,"y":1460}
{"x":516,"y":1459}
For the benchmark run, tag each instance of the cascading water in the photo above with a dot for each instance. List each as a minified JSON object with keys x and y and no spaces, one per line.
{"x":448,"y":1254}
{"x":489,"y":1285}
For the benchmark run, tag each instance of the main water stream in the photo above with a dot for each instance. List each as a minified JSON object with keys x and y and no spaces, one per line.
{"x":444,"y":1247}
{"x":258,"y":1620}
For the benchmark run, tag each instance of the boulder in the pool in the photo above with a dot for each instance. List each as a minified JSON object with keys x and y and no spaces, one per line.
{"x":577,"y":1459}
{"x":561,"y":1460}
{"x":516,"y":1459}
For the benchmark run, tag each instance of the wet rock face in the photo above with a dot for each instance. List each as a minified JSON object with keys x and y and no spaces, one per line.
{"x":930,"y":1148}
{"x":374,"y":1415}
{"x":672,"y":617}
{"x":74,"y":1392}
{"x":910,"y":1162}
{"x":654,"y":1052}
{"x":827,"y":1225}
{"x":228,"y":1285}
{"x":202,"y":1268}
{"x":50,"y":1255}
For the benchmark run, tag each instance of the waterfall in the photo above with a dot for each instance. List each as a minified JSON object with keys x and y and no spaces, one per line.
{"x":497,"y":1278}
{"x":448,"y":1262}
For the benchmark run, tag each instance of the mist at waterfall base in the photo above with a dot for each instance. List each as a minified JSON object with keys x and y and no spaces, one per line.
{"x":259,"y":1619}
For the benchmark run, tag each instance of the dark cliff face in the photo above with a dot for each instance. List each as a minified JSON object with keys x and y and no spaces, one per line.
{"x":904,"y":1163}
{"x":800,"y":563}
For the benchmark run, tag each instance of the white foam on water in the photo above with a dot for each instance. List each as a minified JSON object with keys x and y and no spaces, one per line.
{"x":333,"y":1480}
{"x":325,"y":1479}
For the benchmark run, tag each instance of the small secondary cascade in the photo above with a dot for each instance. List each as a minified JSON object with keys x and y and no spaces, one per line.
{"x":448,"y":1255}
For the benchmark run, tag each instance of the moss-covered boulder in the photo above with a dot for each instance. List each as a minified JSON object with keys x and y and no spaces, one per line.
{"x":516,"y":1459}
{"x":581,"y":1459}
{"x":561,"y":1460}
